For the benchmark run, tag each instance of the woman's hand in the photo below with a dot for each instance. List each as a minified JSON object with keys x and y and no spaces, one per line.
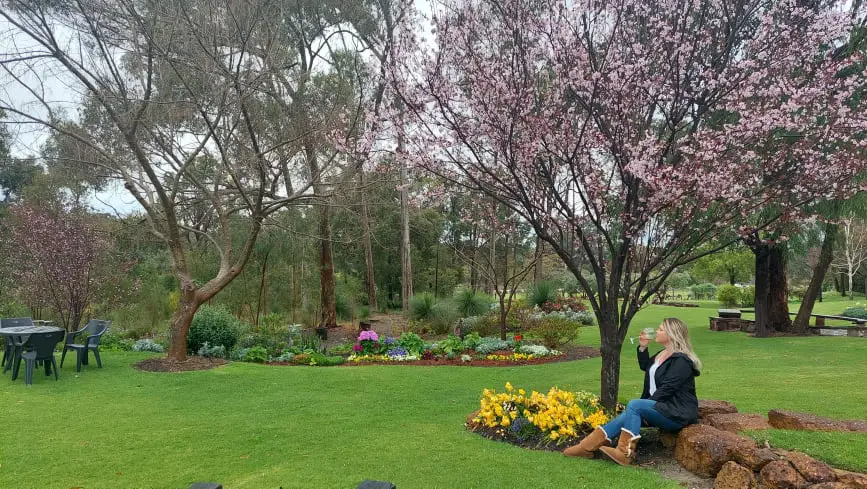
{"x":643,"y":341}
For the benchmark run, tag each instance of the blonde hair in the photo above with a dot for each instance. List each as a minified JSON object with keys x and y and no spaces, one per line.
{"x":678,"y":336}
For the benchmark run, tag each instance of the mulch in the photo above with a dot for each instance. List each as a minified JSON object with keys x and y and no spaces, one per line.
{"x":192,"y":363}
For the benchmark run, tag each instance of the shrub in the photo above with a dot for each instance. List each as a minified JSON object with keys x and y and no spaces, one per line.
{"x":113,"y":342}
{"x":214,"y":325}
{"x":797,"y":293}
{"x":703,"y":291}
{"x":343,"y":306}
{"x":541,"y":293}
{"x":728,"y":295}
{"x":472,"y":340}
{"x":411,"y":342}
{"x":555,"y":331}
{"x":257,"y":354}
{"x":471,"y":303}
{"x":148,"y":345}
{"x":341,"y":349}
{"x":488,"y":345}
{"x":363,"y":312}
{"x":329,"y":361}
{"x":421,"y":306}
{"x":748,"y":296}
{"x":443,"y":316}
{"x":452,"y":344}
{"x":286,"y":356}
{"x":855,"y":312}
{"x":208,"y":351}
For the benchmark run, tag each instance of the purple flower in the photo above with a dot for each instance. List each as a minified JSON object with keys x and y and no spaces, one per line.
{"x":357,"y":347}
{"x":389,"y":340}
{"x":368,"y":335}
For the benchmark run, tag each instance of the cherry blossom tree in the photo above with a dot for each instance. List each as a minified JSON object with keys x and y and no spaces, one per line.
{"x":629,"y":133}
{"x":62,"y":259}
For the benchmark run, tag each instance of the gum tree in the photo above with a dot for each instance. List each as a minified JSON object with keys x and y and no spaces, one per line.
{"x":180,"y":103}
{"x":630,"y":133}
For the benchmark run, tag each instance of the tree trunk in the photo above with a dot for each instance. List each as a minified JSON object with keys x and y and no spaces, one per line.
{"x":772,"y":294}
{"x":182,"y":318}
{"x":262,"y":303}
{"x":503,"y":315}
{"x":537,"y":269}
{"x":826,"y":255}
{"x":474,"y":271}
{"x":611,"y":347}
{"x":368,"y":246}
{"x":405,"y":250}
{"x":328,"y":299}
{"x":492,"y":260}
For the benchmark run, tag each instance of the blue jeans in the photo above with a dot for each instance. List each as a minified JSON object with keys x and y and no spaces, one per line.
{"x":636,"y":410}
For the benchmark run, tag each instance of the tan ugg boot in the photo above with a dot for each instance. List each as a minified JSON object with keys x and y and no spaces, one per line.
{"x":624,"y":453}
{"x":588,"y":445}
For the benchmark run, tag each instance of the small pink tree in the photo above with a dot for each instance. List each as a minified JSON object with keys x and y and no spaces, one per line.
{"x":61,"y":259}
{"x":629,"y":133}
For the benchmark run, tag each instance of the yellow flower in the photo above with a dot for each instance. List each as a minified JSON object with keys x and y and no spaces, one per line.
{"x":509,"y":387}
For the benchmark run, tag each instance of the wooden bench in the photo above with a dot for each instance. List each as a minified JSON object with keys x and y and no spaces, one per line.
{"x":820,"y":319}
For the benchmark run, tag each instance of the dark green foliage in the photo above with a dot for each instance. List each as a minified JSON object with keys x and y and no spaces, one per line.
{"x":421,"y":306}
{"x":344,"y":307}
{"x":728,"y":295}
{"x":471,"y":303}
{"x":443,"y":317}
{"x":214,"y":325}
{"x":541,"y":293}
{"x":555,"y":331}
{"x":855,"y":312}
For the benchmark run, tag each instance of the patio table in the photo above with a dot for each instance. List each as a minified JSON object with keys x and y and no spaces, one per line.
{"x":23,"y":333}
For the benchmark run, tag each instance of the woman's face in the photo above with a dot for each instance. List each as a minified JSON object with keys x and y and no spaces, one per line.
{"x":661,"y":336}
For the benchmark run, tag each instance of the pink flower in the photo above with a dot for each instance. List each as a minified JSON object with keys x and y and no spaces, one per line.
{"x":368,"y":335}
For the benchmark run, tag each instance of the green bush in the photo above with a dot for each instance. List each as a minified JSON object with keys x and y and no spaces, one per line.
{"x":443,"y":316}
{"x":703,"y":291}
{"x":541,"y":293}
{"x":452,"y":344}
{"x":113,"y":342}
{"x":555,"y":331}
{"x":421,"y":306}
{"x":748,"y":296}
{"x":728,"y":295}
{"x":363,"y":312}
{"x":411,"y":342}
{"x":343,"y":307}
{"x":472,"y":340}
{"x":214,"y":325}
{"x":257,"y":354}
{"x":797,"y":293}
{"x":855,"y":312}
{"x":471,"y":303}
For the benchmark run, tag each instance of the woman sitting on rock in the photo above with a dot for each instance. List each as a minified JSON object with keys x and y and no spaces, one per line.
{"x":668,"y":401}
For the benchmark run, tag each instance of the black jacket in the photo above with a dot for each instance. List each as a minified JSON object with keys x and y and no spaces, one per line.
{"x":675,"y":386}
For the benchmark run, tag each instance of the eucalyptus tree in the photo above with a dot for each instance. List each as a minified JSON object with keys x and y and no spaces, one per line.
{"x":178,"y":103}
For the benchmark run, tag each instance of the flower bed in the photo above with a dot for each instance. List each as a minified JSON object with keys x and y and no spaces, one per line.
{"x":550,"y":421}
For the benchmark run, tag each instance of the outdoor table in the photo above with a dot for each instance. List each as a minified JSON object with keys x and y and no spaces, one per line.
{"x":24,"y":333}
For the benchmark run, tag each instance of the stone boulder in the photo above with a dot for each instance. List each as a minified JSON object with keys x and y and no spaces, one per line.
{"x":755,"y":458}
{"x":781,"y":475}
{"x":703,"y":449}
{"x":854,"y":480}
{"x":791,"y":420}
{"x":830,"y":485}
{"x":710,"y":406}
{"x":734,"y":476}
{"x":737,"y":422}
{"x":811,"y":469}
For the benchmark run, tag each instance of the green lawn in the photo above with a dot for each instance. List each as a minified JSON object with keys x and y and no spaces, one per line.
{"x":252,"y":426}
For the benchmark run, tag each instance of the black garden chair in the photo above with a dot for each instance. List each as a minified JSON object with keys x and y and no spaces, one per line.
{"x":9,"y":347}
{"x":40,"y":346}
{"x":94,"y":330}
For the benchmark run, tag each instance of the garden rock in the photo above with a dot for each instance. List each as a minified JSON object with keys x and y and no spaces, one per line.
{"x":755,"y":458}
{"x":851,"y":479}
{"x":810,"y":468}
{"x":703,"y":449}
{"x":734,"y":476}
{"x":710,"y":406}
{"x":781,"y":475}
{"x":790,"y":420}
{"x":830,"y":485}
{"x":737,"y":422}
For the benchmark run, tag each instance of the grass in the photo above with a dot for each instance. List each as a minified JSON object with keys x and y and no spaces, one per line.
{"x":253,"y":426}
